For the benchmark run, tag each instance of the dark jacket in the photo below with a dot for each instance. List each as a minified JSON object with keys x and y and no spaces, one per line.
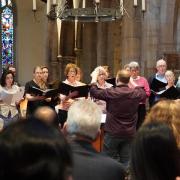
{"x":122,"y":104}
{"x":91,"y":165}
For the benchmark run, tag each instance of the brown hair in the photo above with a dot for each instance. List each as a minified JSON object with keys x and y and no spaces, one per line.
{"x":123,"y":76}
{"x":68,"y":67}
{"x":166,"y":111}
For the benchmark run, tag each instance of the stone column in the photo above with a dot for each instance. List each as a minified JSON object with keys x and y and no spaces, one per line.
{"x":131,"y":29}
{"x":52,"y":49}
{"x":150,"y":37}
{"x":167,"y":43}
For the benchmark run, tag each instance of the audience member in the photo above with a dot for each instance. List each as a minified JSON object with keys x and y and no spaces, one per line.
{"x":154,"y":154}
{"x":83,"y":126}
{"x":32,"y":150}
{"x":137,"y":80}
{"x":166,"y":111}
{"x":47,"y":115}
{"x":122,"y":105}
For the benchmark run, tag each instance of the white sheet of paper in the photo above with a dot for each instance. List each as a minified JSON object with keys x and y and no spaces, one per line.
{"x":103,"y":118}
{"x":11,"y":97}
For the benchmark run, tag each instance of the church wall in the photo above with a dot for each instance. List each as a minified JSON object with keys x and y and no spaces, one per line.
{"x":30,"y":38}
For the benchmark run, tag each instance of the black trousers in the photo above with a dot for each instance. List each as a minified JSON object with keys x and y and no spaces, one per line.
{"x":62,"y":117}
{"x":141,"y":115}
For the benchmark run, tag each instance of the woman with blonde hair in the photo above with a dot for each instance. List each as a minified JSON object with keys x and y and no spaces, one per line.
{"x":166,"y":111}
{"x":99,"y":76}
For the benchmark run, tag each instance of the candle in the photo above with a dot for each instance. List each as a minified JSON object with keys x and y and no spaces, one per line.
{"x":59,"y":22}
{"x":54,"y":2}
{"x":97,"y":1}
{"x":121,"y":7}
{"x":76,"y":25}
{"x":143,"y":5}
{"x":84,"y":4}
{"x":48,"y":6}
{"x":34,"y":5}
{"x":135,"y":3}
{"x":76,"y":3}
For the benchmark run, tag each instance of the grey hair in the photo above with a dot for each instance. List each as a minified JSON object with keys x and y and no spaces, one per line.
{"x":84,"y":118}
{"x":160,"y":62}
{"x":133,"y":64}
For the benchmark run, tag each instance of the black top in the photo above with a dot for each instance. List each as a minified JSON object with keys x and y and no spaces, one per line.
{"x":170,"y":93}
{"x":155,"y":86}
{"x":91,"y":165}
{"x":33,"y":105}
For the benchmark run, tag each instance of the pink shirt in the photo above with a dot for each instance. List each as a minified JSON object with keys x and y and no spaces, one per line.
{"x":142,"y":82}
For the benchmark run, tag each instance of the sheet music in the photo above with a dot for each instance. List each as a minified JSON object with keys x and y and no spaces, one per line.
{"x":10,"y":97}
{"x":103,"y":118}
{"x":18,"y":95}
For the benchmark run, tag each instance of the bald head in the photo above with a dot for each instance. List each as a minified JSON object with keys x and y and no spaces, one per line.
{"x":123,"y":77}
{"x":45,"y":114}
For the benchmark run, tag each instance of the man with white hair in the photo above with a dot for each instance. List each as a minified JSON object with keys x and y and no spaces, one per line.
{"x":83,"y":127}
{"x":158,"y":80}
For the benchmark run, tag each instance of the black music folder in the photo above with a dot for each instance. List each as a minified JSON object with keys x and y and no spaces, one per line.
{"x":80,"y":91}
{"x":156,"y":85}
{"x":170,"y":93}
{"x":111,"y":81}
{"x":47,"y":93}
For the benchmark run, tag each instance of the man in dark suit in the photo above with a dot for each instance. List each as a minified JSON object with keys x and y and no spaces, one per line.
{"x":83,"y":127}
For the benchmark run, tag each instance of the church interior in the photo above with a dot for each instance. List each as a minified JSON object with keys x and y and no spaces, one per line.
{"x":90,"y":89}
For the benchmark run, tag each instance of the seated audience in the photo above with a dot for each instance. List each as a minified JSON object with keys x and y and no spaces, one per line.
{"x":83,"y":127}
{"x":166,"y":111}
{"x":32,"y":150}
{"x":154,"y":154}
{"x":47,"y":115}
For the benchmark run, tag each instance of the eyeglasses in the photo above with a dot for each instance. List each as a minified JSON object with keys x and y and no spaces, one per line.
{"x":38,"y":72}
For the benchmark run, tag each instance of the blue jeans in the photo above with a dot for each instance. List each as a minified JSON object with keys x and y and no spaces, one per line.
{"x":118,"y":148}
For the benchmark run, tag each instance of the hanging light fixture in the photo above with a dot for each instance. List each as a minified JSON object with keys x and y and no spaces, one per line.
{"x":60,"y":9}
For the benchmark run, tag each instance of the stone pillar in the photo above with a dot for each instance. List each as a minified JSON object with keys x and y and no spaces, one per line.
{"x":52,"y":49}
{"x":131,"y":29}
{"x":89,"y":50}
{"x":167,"y":43}
{"x":150,"y":37}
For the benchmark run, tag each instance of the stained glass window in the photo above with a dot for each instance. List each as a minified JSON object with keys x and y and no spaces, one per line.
{"x":7,"y":33}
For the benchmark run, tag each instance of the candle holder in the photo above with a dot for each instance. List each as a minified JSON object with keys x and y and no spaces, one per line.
{"x":85,"y":14}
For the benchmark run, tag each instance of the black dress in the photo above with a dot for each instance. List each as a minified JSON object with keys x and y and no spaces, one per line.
{"x":32,"y":105}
